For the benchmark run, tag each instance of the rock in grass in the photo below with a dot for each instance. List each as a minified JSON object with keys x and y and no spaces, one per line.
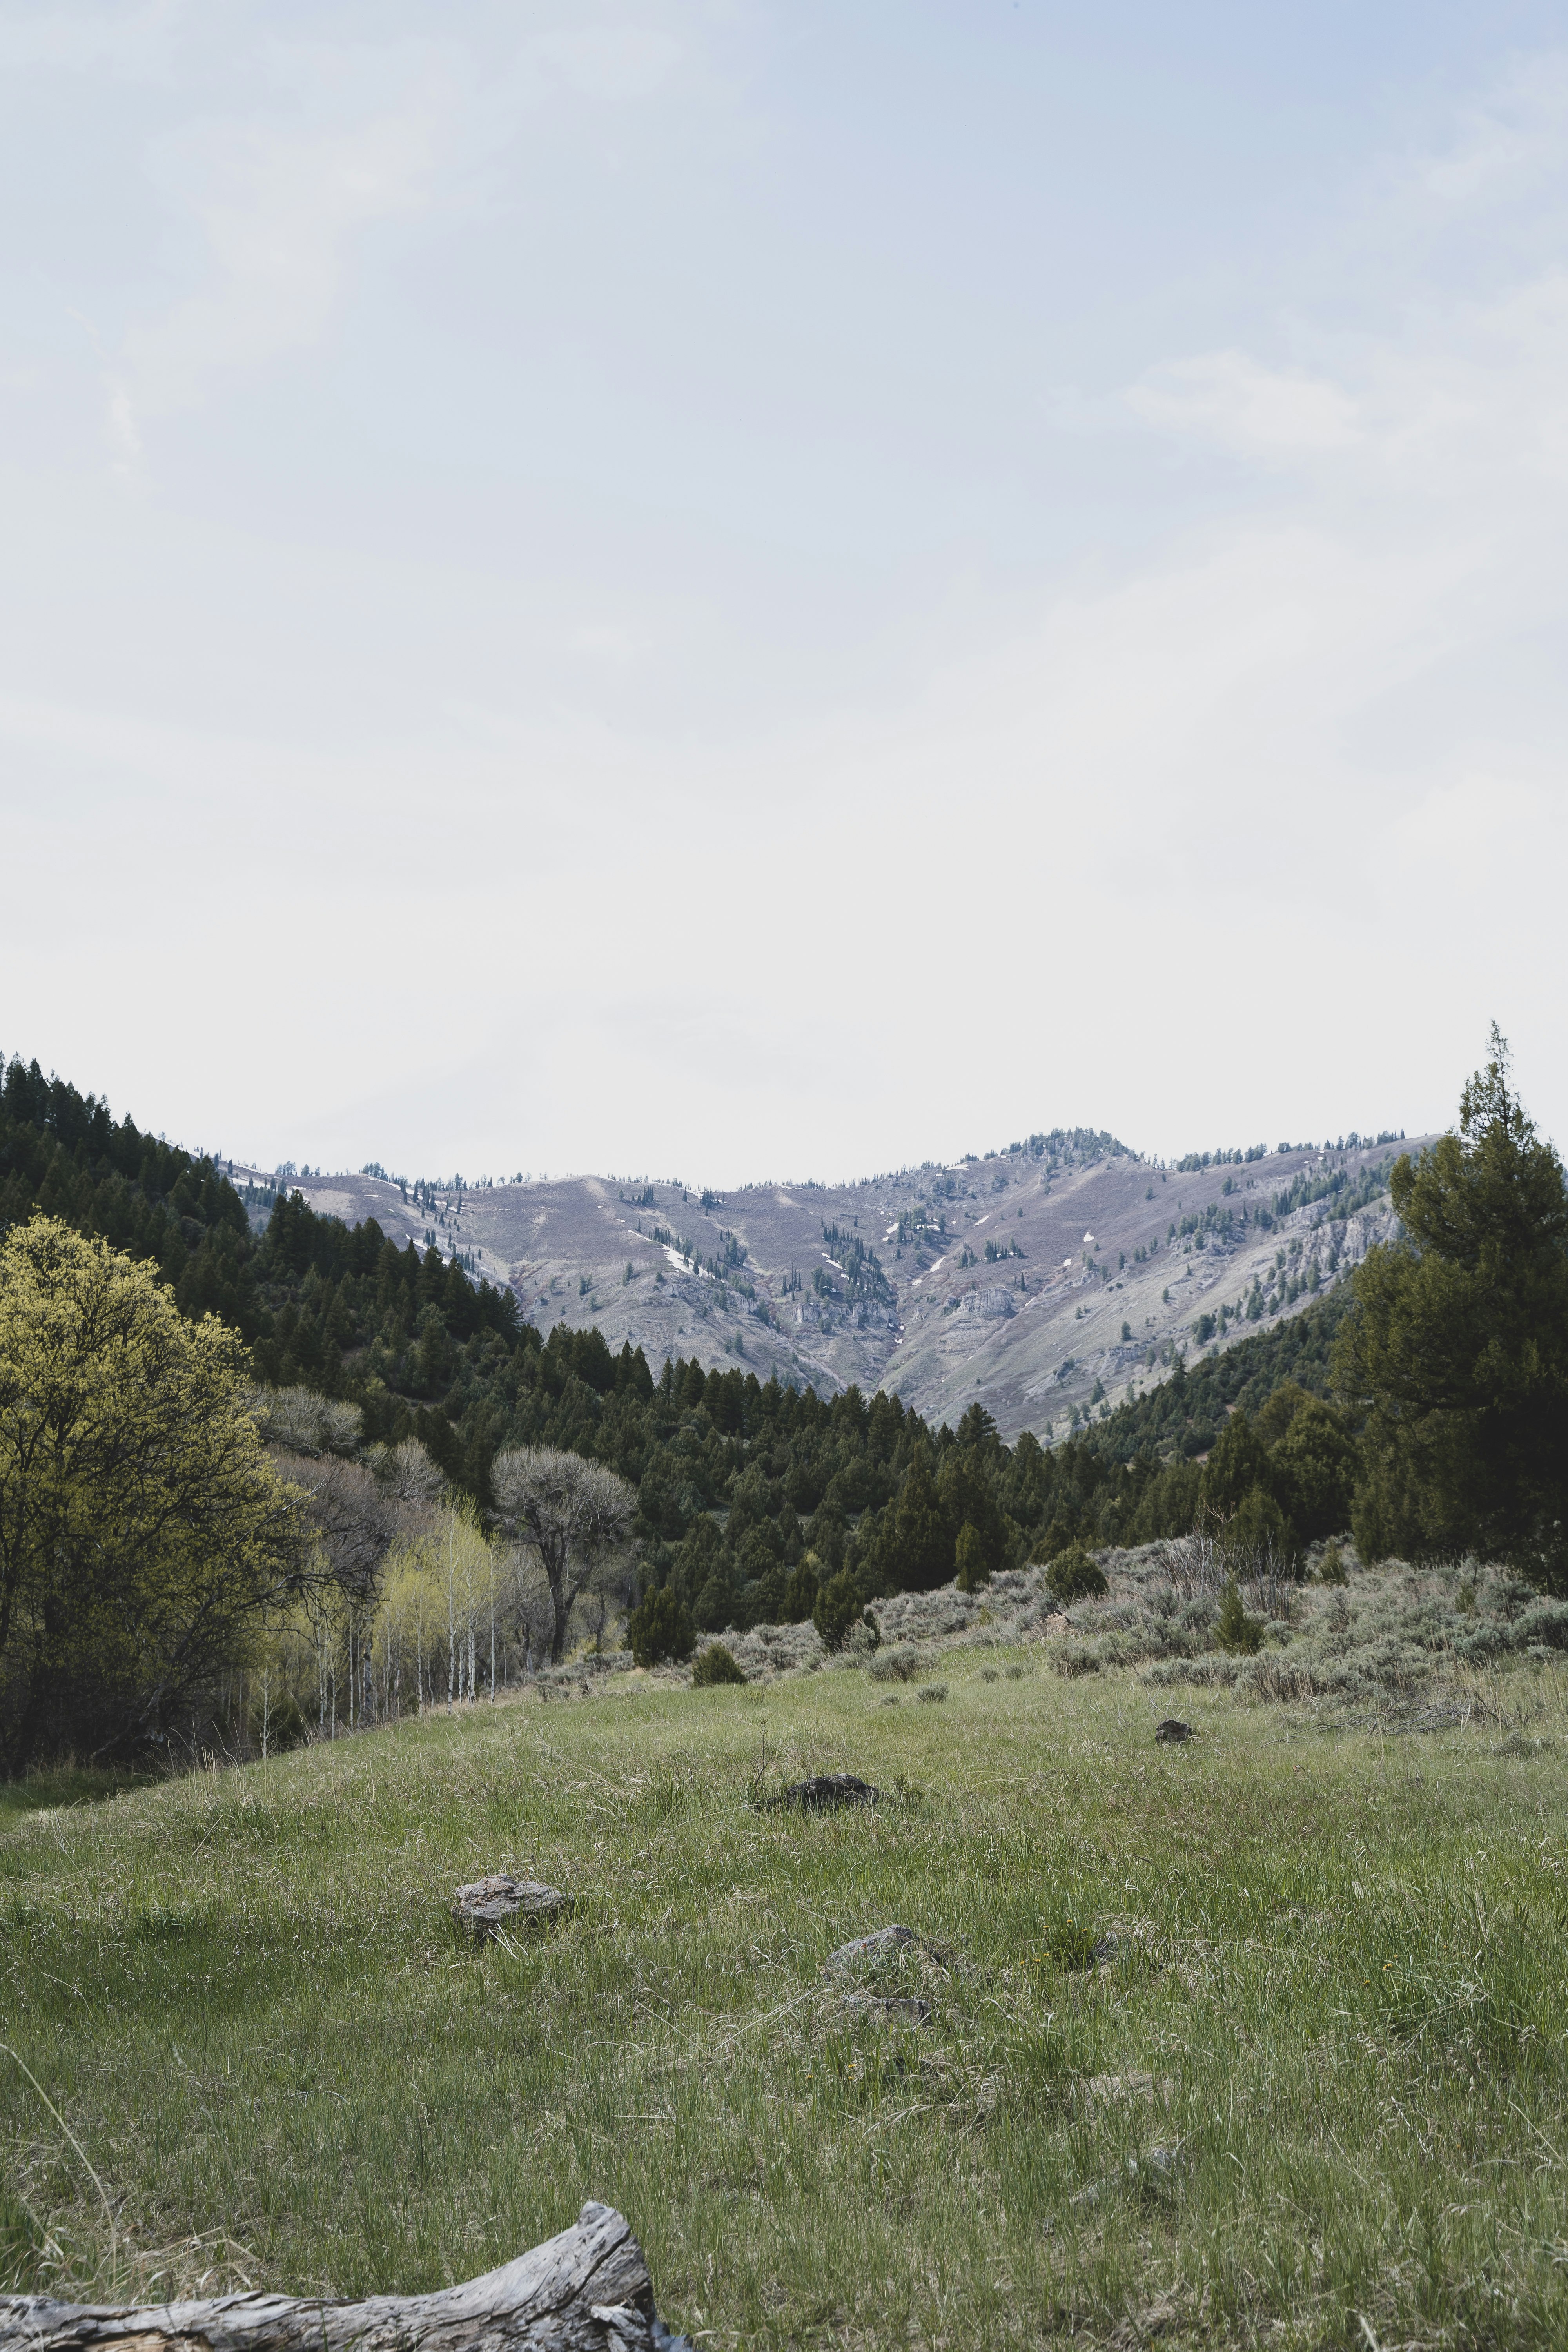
{"x":488,"y":1904}
{"x":825,"y":1790}
{"x":1173,"y":1729}
{"x":881,"y":1944}
{"x":884,"y":2007}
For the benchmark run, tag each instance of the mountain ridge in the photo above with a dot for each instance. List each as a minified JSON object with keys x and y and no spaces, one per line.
{"x":1046,"y":1281}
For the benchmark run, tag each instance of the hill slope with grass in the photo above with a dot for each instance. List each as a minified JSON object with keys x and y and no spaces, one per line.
{"x":1250,"y":2039}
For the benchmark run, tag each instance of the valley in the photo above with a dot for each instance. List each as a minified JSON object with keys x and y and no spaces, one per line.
{"x":1048,"y":1281}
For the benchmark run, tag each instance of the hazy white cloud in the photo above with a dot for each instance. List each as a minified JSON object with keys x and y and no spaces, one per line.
{"x":618,"y":63}
{"x":1507,"y":144}
{"x":444,"y":826}
{"x":1256,"y":410}
{"x":58,"y":36}
{"x":279,"y":209}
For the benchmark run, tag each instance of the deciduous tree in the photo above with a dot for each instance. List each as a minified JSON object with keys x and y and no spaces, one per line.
{"x":576,"y":1514}
{"x":143,"y":1531}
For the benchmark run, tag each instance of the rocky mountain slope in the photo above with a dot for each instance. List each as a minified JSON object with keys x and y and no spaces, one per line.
{"x":1050,"y":1280}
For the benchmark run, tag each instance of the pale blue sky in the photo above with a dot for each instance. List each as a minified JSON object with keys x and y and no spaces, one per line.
{"x":743,"y":590}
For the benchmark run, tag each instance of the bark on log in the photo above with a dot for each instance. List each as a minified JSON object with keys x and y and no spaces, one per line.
{"x":586,"y":2291}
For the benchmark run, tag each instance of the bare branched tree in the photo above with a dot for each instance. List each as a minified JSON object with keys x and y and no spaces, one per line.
{"x":576,"y":1514}
{"x":407,"y":1473}
{"x":529,"y":1611}
{"x":354,"y":1517}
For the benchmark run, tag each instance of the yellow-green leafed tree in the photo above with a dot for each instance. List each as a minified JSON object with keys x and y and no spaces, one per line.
{"x":435,"y":1628}
{"x":143,"y":1532}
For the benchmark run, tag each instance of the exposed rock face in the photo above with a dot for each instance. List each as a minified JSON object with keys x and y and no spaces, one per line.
{"x":729,"y":1280}
{"x":488,"y":1904}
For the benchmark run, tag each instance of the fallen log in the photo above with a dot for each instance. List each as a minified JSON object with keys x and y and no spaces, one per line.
{"x":587,"y":2290}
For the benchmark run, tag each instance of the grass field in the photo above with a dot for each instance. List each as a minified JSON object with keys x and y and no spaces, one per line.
{"x":1320,"y":2078}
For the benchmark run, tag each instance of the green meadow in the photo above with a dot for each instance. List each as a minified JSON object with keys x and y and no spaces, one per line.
{"x":1312,"y":2092}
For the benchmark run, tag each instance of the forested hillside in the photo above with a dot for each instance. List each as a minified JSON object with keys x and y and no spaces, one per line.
{"x":752,"y":1495}
{"x":737,"y":1480}
{"x":1183,"y":1418}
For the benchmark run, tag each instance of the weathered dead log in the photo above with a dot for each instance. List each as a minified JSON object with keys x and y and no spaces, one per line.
{"x":586,"y":2291}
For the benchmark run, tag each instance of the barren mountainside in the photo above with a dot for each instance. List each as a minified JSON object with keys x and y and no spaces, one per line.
{"x":1047,"y":1280}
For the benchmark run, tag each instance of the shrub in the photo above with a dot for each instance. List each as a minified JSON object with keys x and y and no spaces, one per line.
{"x":1234,"y":1631}
{"x":837,"y":1609}
{"x":901,"y":1664}
{"x":1076,"y":1658}
{"x":1257,"y":1530}
{"x":932,"y":1693}
{"x":969,"y":1554}
{"x":1074,"y":1575}
{"x":1332,"y":1567}
{"x":660,"y":1629}
{"x":715,"y":1666}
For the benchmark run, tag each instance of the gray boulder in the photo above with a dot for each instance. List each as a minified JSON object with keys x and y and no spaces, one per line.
{"x":881,"y":1945}
{"x":825,"y":1790}
{"x":488,"y":1904}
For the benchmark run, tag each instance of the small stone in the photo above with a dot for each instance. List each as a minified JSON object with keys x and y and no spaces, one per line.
{"x":825,"y":1790}
{"x":1173,"y":1729}
{"x":488,"y":1904}
{"x":881,"y":1944}
{"x":664,"y":2339}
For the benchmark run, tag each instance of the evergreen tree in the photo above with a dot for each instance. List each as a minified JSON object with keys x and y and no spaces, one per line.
{"x":1233,"y":1630}
{"x":921,"y":1554}
{"x":837,"y":1610}
{"x":800,"y":1592}
{"x":1457,"y":1350}
{"x":660,"y":1628}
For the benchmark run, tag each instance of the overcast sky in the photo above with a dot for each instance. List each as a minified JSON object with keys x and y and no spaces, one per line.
{"x":755,"y":589}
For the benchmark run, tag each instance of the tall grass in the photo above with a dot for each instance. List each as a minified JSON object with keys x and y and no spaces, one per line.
{"x":1250,"y":2039}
